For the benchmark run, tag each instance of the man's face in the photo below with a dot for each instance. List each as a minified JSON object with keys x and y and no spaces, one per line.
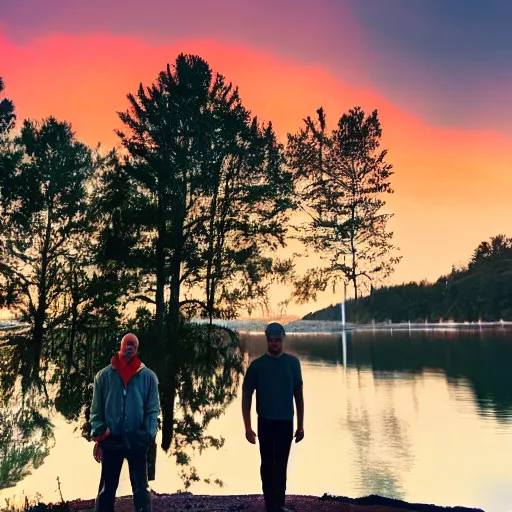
{"x":129,"y":348}
{"x":275,"y":345}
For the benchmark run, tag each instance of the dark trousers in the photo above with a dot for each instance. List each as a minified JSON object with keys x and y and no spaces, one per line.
{"x":111,"y":464}
{"x":275,"y":439}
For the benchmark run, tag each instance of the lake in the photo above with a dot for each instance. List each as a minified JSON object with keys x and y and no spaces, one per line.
{"x":424,"y":416}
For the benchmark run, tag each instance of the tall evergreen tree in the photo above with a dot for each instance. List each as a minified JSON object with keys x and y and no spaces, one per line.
{"x":204,"y":200}
{"x":8,"y":291}
{"x":206,"y":185}
{"x":498,"y":247}
{"x":342,"y":177}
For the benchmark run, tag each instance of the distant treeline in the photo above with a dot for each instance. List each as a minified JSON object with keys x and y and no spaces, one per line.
{"x":481,"y":290}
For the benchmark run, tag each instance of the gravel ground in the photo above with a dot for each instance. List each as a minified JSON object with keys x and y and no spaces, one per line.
{"x":186,"y":502}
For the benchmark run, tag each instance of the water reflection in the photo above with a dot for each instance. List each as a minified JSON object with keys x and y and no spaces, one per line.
{"x":382,"y":448}
{"x":26,"y":433}
{"x":198,"y":373}
{"x":382,"y":416}
{"x":395,"y":386}
{"x":479,"y":358}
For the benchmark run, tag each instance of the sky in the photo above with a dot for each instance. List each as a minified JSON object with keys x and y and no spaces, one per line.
{"x":438,"y":71}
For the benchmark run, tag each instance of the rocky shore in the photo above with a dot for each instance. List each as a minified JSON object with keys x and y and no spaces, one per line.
{"x":187,"y":502}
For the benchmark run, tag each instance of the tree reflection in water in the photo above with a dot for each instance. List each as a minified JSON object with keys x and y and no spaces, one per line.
{"x":379,"y":441}
{"x":199,"y":373}
{"x":476,"y":357}
{"x":26,"y":433}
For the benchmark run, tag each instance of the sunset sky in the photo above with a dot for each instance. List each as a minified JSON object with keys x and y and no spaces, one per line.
{"x":438,"y":71}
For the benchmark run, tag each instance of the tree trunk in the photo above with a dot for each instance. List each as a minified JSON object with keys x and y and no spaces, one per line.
{"x":354,"y":283}
{"x":169,"y":384}
{"x":211,"y":267}
{"x":353,"y":277}
{"x":72,"y":337}
{"x":37,"y":342}
{"x":160,"y":276}
{"x":167,"y":399}
{"x":40,"y":316}
{"x":354,"y":272}
{"x":74,"y":318}
{"x":175,"y":272}
{"x":353,"y":234}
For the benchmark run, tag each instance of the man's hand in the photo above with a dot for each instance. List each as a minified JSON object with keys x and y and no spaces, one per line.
{"x":250,"y":436}
{"x":97,"y":439}
{"x":299,"y":435}
{"x":97,"y":452}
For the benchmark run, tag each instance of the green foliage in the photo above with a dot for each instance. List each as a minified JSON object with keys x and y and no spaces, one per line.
{"x":26,"y":435}
{"x":8,"y":289}
{"x":480,"y":291}
{"x":341,"y":178}
{"x":49,"y":243}
{"x":196,"y":206}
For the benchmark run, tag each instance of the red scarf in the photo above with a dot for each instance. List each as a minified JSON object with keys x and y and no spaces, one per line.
{"x":126,"y":370}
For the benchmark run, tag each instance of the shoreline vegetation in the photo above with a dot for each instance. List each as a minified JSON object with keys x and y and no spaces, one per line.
{"x":476,"y":292}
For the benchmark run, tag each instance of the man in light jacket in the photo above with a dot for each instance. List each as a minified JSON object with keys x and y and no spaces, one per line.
{"x":124,"y":414}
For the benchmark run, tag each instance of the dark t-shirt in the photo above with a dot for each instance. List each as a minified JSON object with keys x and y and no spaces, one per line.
{"x":274,"y":379}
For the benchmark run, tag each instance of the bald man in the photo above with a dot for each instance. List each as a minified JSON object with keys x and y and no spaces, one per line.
{"x":124,"y":414}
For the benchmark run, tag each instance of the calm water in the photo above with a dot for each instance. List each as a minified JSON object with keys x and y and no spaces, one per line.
{"x":421,"y":416}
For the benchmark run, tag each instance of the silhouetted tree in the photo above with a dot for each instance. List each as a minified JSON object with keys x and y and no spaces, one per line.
{"x":208,"y":187}
{"x":7,"y":115}
{"x":499,"y":246}
{"x":342,"y":177}
{"x":43,"y":199}
{"x":202,"y":203}
{"x":482,"y":290}
{"x":8,"y":290}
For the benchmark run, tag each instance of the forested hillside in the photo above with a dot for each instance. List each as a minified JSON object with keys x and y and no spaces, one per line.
{"x":482,"y":290}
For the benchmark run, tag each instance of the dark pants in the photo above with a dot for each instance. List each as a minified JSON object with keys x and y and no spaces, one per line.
{"x":275,"y":438}
{"x":111,"y":464}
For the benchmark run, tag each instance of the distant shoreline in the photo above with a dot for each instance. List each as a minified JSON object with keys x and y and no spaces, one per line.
{"x":316,"y":326}
{"x":331,"y":326}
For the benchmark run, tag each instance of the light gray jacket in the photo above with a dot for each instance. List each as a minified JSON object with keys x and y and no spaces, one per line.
{"x":131,"y":413}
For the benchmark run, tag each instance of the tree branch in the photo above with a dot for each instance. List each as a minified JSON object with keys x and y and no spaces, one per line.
{"x":143,"y":298}
{"x":194,"y":301}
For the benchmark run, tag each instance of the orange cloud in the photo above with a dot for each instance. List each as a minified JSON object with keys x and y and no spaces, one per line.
{"x":451,"y":186}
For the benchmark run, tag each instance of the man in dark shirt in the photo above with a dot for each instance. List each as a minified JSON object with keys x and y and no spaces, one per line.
{"x":277,"y":379}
